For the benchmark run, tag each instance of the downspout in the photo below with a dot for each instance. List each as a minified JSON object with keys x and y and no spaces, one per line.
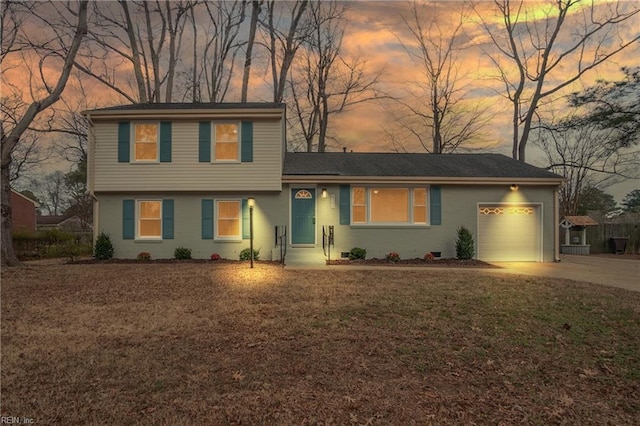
{"x":556,"y":224}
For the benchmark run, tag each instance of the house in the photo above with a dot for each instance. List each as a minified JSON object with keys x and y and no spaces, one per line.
{"x":23,"y":213}
{"x":69,"y":222}
{"x":164,"y":176}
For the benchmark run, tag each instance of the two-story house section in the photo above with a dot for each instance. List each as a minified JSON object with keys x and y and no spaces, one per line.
{"x":180,"y":175}
{"x":164,"y":176}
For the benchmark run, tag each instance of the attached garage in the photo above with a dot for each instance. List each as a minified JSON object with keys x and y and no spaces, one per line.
{"x":509,"y":232}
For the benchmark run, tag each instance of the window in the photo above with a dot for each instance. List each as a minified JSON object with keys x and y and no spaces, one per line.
{"x":145,"y":146}
{"x":392,"y":206}
{"x":150,"y":219}
{"x":229,"y":219}
{"x":226,"y":141}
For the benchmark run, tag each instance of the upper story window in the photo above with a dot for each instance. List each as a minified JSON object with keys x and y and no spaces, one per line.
{"x":389,"y":206}
{"x":145,"y":145}
{"x":226,"y":141}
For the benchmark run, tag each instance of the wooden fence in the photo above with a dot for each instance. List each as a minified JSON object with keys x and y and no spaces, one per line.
{"x":599,"y":236}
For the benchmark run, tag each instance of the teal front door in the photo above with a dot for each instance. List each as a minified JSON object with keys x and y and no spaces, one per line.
{"x":303,"y":216}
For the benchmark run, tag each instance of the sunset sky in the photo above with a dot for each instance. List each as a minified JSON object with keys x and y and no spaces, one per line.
{"x":375,"y":32}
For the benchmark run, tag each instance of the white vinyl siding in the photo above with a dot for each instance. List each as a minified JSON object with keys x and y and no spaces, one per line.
{"x":185,"y":172}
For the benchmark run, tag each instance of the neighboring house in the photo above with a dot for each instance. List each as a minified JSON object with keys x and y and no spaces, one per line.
{"x":23,"y":213}
{"x":66,"y":222}
{"x":180,"y":175}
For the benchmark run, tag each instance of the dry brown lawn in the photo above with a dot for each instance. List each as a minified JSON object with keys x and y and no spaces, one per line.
{"x":221,"y":344}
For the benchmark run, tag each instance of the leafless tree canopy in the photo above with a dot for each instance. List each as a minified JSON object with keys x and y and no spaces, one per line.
{"x":535,"y":62}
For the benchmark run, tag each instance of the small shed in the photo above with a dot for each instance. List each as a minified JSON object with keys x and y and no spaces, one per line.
{"x":575,"y":234}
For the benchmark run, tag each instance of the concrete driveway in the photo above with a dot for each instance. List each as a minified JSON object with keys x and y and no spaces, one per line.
{"x":622,"y":273}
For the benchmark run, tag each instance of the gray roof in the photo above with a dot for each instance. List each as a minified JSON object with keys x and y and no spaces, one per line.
{"x":192,"y":105}
{"x":410,"y":165}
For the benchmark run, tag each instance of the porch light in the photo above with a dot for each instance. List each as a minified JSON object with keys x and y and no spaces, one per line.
{"x":324,"y":192}
{"x":251,"y":202}
{"x":514,"y":187}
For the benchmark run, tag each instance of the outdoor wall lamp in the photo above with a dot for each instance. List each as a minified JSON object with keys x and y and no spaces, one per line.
{"x":251,"y":202}
{"x":514,"y":187}
{"x":324,"y":192}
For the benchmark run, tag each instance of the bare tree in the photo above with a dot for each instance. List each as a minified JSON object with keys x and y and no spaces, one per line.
{"x":587,"y":155}
{"x":324,"y":82}
{"x":434,"y":112}
{"x":285,"y":38}
{"x":144,"y":36}
{"x":222,"y":46}
{"x":65,"y":50}
{"x":544,"y":48}
{"x":255,"y":14}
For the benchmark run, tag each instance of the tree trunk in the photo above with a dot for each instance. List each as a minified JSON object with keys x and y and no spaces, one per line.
{"x":252,"y":36}
{"x":8,"y":255}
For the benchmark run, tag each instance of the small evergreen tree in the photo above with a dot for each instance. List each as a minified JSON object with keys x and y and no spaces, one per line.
{"x":103,"y":249}
{"x":464,"y":244}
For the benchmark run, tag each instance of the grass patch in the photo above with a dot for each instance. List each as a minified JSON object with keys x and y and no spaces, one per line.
{"x":221,"y":343}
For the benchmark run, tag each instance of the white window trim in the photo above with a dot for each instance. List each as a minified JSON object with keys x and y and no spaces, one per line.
{"x":138,"y":209}
{"x":216,"y":217}
{"x":213,"y":142}
{"x":410,"y":206}
{"x":133,"y":143}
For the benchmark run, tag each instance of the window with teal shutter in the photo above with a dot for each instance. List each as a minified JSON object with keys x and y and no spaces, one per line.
{"x":204,"y":142}
{"x":165,"y":142}
{"x":345,"y":204}
{"x":167,"y":219}
{"x":245,"y":219}
{"x":207,"y":219}
{"x":246,"y":144}
{"x":128,"y":219}
{"x":124,"y":137}
{"x":435,"y":201}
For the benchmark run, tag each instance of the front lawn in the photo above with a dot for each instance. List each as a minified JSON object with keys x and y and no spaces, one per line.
{"x":222,"y":344}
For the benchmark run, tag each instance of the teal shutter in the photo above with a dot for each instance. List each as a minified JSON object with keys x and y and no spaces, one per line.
{"x":435,"y":205}
{"x":245,"y":219}
{"x":204,"y":142}
{"x":207,"y":219}
{"x":165,"y":142}
{"x":128,"y":219}
{"x":246,"y":143}
{"x":124,"y":136}
{"x":167,"y":219}
{"x":345,"y":204}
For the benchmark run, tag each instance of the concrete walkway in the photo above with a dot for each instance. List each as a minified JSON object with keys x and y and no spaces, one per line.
{"x":622,"y":273}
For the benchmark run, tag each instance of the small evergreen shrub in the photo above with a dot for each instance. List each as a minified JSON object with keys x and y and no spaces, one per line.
{"x":464,"y":244}
{"x":103,"y":249}
{"x":144,"y":255}
{"x":393,"y":257}
{"x":246,"y":254}
{"x":357,"y":253}
{"x":182,"y":253}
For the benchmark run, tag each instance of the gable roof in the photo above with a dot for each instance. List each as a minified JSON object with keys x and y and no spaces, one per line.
{"x":29,"y":199}
{"x":391,"y":165}
{"x":569,"y":221}
{"x":189,"y":105}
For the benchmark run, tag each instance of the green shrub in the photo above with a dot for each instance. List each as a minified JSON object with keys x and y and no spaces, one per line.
{"x":182,"y":253}
{"x":54,"y":236}
{"x":464,"y":244}
{"x":246,"y":254}
{"x":357,"y":253}
{"x":103,"y":249}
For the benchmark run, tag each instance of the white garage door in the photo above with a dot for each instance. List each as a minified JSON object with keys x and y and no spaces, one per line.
{"x":509,"y":233}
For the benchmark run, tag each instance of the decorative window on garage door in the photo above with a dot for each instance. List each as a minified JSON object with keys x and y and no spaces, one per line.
{"x":518,"y":211}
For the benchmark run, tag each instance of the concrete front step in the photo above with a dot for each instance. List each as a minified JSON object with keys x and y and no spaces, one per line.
{"x":298,"y":256}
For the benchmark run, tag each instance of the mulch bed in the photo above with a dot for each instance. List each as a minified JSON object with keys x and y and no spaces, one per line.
{"x":444,"y":262}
